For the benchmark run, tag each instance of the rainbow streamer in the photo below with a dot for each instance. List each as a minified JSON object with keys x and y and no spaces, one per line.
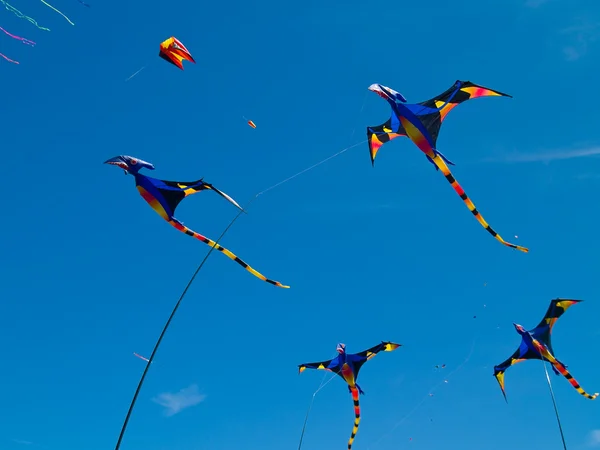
{"x":20,"y":15}
{"x":23,"y":40}
{"x":53,"y":8}
{"x":8,"y":59}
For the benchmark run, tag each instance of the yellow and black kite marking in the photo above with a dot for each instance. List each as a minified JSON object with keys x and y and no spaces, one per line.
{"x":537,"y":344}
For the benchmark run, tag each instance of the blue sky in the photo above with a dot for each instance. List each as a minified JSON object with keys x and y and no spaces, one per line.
{"x":387,"y":253}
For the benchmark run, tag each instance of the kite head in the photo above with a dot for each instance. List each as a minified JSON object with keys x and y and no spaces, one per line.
{"x":341,"y":348}
{"x":129,"y":164}
{"x":387,"y":93}
{"x":520,"y":329}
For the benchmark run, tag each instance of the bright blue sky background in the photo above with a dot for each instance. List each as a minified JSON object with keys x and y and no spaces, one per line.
{"x":91,"y":273}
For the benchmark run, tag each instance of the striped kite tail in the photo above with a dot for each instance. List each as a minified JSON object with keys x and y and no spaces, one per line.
{"x":223,"y":250}
{"x":439,"y":162}
{"x":565,"y":373}
{"x":354,"y":392}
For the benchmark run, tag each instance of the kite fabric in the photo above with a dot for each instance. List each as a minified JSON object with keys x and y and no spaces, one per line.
{"x":421,"y":123}
{"x":164,"y":196}
{"x":347,"y":366}
{"x":173,"y":51}
{"x":537,"y":344}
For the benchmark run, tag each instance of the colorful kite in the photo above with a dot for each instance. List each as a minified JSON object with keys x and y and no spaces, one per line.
{"x":173,"y":51}
{"x":421,"y":122}
{"x":537,"y":344}
{"x":164,"y":196}
{"x":252,"y":124}
{"x":347,"y":366}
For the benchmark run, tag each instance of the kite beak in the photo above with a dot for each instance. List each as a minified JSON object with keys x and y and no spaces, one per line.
{"x":119,"y":162}
{"x":519,"y":328}
{"x":341,"y":348}
{"x":387,"y":93}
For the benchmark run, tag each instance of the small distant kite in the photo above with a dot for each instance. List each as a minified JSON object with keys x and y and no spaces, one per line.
{"x":164,"y":197}
{"x":252,"y":124}
{"x":173,"y":51}
{"x":537,"y":344}
{"x":421,"y":122}
{"x":83,"y":3}
{"x":347,"y":366}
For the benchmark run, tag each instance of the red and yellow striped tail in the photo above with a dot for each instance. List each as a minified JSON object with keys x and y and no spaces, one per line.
{"x":441,"y":164}
{"x":354,"y":392}
{"x":226,"y":252}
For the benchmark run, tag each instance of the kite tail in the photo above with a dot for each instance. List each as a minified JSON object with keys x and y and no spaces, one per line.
{"x":439,"y":162}
{"x":354,"y":392}
{"x":565,"y":373}
{"x":223,"y":250}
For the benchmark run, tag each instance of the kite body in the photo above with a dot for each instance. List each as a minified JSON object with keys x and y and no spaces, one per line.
{"x":347,"y":366}
{"x":537,"y":344}
{"x":164,"y":196}
{"x":173,"y":51}
{"x":421,"y":122}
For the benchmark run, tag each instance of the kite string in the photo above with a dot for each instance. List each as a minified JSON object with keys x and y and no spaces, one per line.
{"x":554,"y":403}
{"x":164,"y":330}
{"x":311,"y":167}
{"x":430,"y":391}
{"x":434,"y":388}
{"x":324,"y":160}
{"x":321,"y":386}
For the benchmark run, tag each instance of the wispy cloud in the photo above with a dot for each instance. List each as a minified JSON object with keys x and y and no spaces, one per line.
{"x":594,"y":438}
{"x":546,"y":156}
{"x":178,"y":401}
{"x":22,"y":442}
{"x":580,"y":36}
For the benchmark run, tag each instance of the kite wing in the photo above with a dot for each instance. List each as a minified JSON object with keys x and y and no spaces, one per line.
{"x":358,"y":359}
{"x":331,"y":365}
{"x":170,"y":193}
{"x":543,"y":332}
{"x":521,"y":354}
{"x":173,"y":51}
{"x":431,"y":112}
{"x":164,"y":196}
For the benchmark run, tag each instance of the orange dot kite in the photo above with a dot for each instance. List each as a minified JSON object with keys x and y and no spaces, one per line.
{"x":252,"y":124}
{"x":173,"y":51}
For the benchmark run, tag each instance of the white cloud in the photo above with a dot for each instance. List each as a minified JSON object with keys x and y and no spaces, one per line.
{"x":22,"y":442}
{"x":548,"y":156}
{"x":581,"y":35}
{"x":594,"y":438}
{"x":178,"y":401}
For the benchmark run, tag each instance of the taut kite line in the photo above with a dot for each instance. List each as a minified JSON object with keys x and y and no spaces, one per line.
{"x":421,"y":122}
